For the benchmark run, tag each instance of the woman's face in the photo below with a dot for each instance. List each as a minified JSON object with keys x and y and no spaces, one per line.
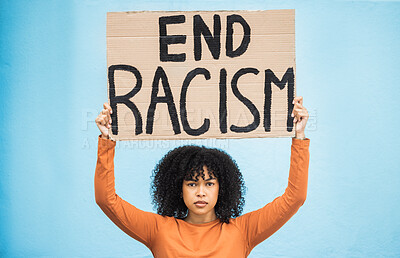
{"x":200,"y":196}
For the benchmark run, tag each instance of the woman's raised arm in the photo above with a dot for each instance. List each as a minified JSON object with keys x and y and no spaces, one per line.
{"x":260,"y":224}
{"x":138,"y":224}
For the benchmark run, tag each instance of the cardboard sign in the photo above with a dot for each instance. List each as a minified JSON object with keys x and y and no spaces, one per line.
{"x":190,"y":75}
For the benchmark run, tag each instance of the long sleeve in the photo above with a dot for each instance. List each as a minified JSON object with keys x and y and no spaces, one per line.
{"x":139,"y":224}
{"x":261,"y":224}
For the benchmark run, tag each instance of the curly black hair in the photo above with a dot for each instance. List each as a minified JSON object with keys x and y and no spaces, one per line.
{"x":185,"y":163}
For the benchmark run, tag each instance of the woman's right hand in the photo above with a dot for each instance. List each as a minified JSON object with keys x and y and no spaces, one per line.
{"x":103,"y":120}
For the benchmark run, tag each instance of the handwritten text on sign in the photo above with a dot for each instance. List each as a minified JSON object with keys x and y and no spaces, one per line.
{"x":186,"y":75}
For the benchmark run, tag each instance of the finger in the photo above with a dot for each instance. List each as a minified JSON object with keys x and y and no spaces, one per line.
{"x":103,"y":119}
{"x":107,"y":106}
{"x":303,"y":114}
{"x":297,"y":113}
{"x":298,"y":106}
{"x":102,"y":122}
{"x":300,"y":111}
{"x":298,"y":99}
{"x":297,"y":110}
{"x":99,"y":118}
{"x":107,"y":113}
{"x":106,"y":118}
{"x":301,"y":117}
{"x":294,"y":112}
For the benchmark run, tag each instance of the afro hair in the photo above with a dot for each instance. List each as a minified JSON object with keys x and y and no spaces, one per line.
{"x":187,"y":162}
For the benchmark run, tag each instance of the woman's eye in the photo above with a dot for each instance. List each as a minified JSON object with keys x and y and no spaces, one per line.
{"x":210,"y":184}
{"x":191,"y":184}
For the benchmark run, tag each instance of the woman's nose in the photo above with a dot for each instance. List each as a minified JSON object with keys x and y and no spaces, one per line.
{"x":200,"y":191}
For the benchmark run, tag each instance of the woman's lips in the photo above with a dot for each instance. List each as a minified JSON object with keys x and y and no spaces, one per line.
{"x":200,"y":204}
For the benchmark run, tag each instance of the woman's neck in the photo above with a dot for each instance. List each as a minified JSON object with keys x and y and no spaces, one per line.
{"x":200,"y":219}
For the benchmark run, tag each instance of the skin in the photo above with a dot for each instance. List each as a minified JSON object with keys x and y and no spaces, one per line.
{"x":206,"y":190}
{"x":200,"y":197}
{"x":300,"y":115}
{"x":103,"y":120}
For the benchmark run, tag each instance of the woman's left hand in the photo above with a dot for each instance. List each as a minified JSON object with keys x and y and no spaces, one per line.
{"x":300,"y":115}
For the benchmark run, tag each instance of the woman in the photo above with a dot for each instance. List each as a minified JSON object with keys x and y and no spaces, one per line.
{"x":198,"y":193}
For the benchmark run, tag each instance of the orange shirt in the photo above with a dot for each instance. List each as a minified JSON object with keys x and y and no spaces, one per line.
{"x":171,"y":237}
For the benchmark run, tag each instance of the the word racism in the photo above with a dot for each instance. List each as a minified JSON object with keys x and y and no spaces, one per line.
{"x":213,"y":41}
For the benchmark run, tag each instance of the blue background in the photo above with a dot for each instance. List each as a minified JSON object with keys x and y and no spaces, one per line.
{"x":53,"y":84}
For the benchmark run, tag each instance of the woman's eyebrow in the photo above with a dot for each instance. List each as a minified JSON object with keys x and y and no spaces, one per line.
{"x":193,"y":180}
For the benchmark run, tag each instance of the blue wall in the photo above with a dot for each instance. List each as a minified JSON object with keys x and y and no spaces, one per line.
{"x":53,"y":83}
